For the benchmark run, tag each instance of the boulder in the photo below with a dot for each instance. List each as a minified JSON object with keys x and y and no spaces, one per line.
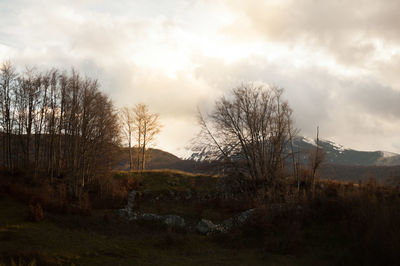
{"x":174,"y":221}
{"x":227,"y":224}
{"x":205,"y":227}
{"x":242,"y":217}
{"x":151,"y":217}
{"x":127,"y":211}
{"x":169,"y":220}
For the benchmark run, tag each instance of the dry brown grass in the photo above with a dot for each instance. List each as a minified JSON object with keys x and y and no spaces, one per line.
{"x":359,"y":220}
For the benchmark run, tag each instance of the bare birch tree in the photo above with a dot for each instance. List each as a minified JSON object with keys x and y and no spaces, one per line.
{"x":147,"y":126}
{"x":250,"y":129}
{"x":56,"y":125}
{"x":126,"y":117}
{"x":8,"y":84}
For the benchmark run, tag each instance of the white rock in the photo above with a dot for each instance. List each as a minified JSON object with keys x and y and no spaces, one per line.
{"x":174,"y":220}
{"x":205,"y":227}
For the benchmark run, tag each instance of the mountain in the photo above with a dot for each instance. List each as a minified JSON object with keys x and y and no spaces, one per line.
{"x":158,"y":159}
{"x":384,"y":174}
{"x":338,"y":155}
{"x":340,"y":163}
{"x":335,"y":154}
{"x":388,"y":159}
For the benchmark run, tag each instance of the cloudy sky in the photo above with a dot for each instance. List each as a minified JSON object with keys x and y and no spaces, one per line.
{"x":339,"y":61}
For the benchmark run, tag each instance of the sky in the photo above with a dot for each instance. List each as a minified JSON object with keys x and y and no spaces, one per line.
{"x":338,"y":61}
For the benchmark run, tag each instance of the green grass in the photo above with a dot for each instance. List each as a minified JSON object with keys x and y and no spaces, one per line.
{"x":160,"y":183}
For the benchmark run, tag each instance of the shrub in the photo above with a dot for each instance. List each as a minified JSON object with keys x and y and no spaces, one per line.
{"x":279,"y":230}
{"x":84,"y":205}
{"x":110,"y":193}
{"x":35,"y":211}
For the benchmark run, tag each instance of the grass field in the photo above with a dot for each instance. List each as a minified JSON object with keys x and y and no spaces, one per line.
{"x":90,"y":240}
{"x":103,"y":238}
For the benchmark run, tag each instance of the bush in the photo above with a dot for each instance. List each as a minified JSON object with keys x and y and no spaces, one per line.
{"x":109,"y":193}
{"x":355,"y":223}
{"x":84,"y":205}
{"x":35,"y":211}
{"x":368,"y":215}
{"x":279,"y":230}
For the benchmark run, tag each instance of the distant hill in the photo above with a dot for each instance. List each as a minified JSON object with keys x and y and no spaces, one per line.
{"x":352,"y":165}
{"x":340,"y":163}
{"x":383,"y":174}
{"x":389,"y":160}
{"x":336,"y":154}
{"x":158,"y":159}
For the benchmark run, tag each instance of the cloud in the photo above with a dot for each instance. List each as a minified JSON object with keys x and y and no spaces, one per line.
{"x":337,"y":60}
{"x":352,"y":32}
{"x":342,"y":106}
{"x":136,"y":59}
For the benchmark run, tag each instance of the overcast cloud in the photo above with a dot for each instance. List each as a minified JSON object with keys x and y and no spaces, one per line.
{"x":338,"y":61}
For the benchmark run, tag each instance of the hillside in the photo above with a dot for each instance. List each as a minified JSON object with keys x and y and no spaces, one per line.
{"x":385,"y":174}
{"x":326,"y":232}
{"x":336,"y":154}
{"x":158,"y":159}
{"x":103,"y":238}
{"x":340,"y":163}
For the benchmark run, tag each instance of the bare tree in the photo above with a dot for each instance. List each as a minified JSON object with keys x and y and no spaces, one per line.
{"x":292,"y":132}
{"x":316,"y":159}
{"x":56,"y":124}
{"x":7,"y":112}
{"x":51,"y":120}
{"x":147,"y":126}
{"x":126,"y":117}
{"x":250,"y":129}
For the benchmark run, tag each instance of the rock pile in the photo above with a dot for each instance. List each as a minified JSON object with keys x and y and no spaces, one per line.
{"x":205,"y":227}
{"x":128,"y":213}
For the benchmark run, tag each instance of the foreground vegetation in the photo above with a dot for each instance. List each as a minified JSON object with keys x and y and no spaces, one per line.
{"x":342,"y":224}
{"x":93,"y":240}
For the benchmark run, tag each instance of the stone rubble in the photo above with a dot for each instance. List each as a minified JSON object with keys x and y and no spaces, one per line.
{"x":205,"y":227}
{"x":128,"y":213}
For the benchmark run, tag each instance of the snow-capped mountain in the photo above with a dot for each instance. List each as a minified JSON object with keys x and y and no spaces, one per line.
{"x":337,"y":154}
